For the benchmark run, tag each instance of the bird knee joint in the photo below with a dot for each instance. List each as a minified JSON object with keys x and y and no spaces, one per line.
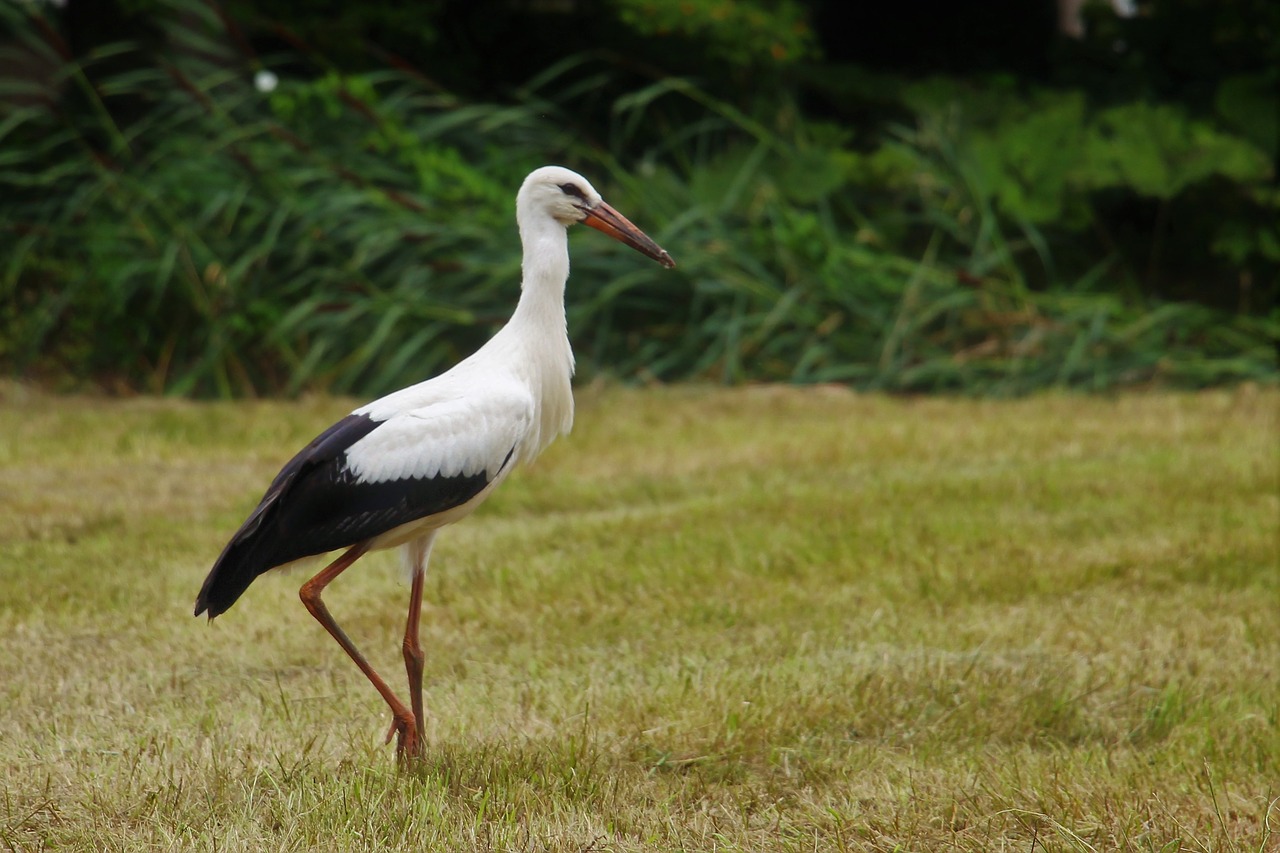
{"x":412,"y":653}
{"x":310,"y":596}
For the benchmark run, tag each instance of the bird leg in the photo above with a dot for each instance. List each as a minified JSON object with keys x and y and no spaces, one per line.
{"x":412,"y":649}
{"x":403,"y":724}
{"x":416,"y":555}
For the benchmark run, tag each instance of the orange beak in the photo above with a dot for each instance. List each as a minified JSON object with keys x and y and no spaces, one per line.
{"x":605,"y":219}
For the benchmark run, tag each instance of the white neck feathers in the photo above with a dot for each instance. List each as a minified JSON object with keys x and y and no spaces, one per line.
{"x":539,"y":325}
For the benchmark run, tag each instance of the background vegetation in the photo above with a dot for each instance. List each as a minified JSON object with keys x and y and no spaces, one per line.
{"x":977,"y":205}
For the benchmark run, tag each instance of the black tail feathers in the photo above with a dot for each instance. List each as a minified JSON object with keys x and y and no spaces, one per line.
{"x":246,"y":556}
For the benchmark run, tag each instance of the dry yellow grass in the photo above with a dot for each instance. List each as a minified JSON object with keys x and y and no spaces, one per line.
{"x":763,"y":619}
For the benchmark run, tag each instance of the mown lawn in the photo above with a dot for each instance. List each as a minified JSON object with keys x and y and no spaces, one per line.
{"x":762,"y":619}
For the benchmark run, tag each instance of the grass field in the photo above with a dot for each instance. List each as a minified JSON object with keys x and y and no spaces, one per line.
{"x":763,"y":619}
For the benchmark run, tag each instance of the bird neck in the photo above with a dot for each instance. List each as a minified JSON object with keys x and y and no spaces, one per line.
{"x":545,"y":269}
{"x":540,"y":329}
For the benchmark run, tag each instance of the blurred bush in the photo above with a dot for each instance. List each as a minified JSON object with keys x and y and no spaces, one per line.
{"x":166,"y":225}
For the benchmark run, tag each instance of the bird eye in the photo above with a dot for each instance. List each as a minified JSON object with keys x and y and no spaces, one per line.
{"x":573,"y":190}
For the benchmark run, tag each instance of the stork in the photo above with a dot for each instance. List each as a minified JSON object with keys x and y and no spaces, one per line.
{"x":393,"y":472}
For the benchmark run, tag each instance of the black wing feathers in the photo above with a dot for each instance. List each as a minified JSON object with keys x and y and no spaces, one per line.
{"x":315,"y":504}
{"x":249,"y":554}
{"x":330,"y":509}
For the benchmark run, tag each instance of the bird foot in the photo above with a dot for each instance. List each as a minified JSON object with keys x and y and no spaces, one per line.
{"x":409,"y":745}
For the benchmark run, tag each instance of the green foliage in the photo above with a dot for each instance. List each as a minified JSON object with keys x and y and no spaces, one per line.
{"x":1247,"y":103}
{"x":1039,"y":156}
{"x":796,"y":280}
{"x":740,"y":32}
{"x":1158,"y":151}
{"x":212,"y":249}
{"x":169,"y":227}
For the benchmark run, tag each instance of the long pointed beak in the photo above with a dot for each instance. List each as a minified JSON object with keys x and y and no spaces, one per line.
{"x":605,"y":219}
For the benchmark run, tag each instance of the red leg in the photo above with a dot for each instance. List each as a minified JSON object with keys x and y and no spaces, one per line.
{"x":413,"y":656}
{"x":416,"y":556}
{"x":402,"y":724}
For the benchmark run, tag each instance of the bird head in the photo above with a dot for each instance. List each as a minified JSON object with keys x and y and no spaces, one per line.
{"x":567,"y":197}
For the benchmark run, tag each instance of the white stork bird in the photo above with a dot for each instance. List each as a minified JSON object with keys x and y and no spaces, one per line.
{"x":397,"y":470}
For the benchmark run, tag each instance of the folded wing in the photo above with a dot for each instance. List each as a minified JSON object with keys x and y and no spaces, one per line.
{"x":365,"y":476}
